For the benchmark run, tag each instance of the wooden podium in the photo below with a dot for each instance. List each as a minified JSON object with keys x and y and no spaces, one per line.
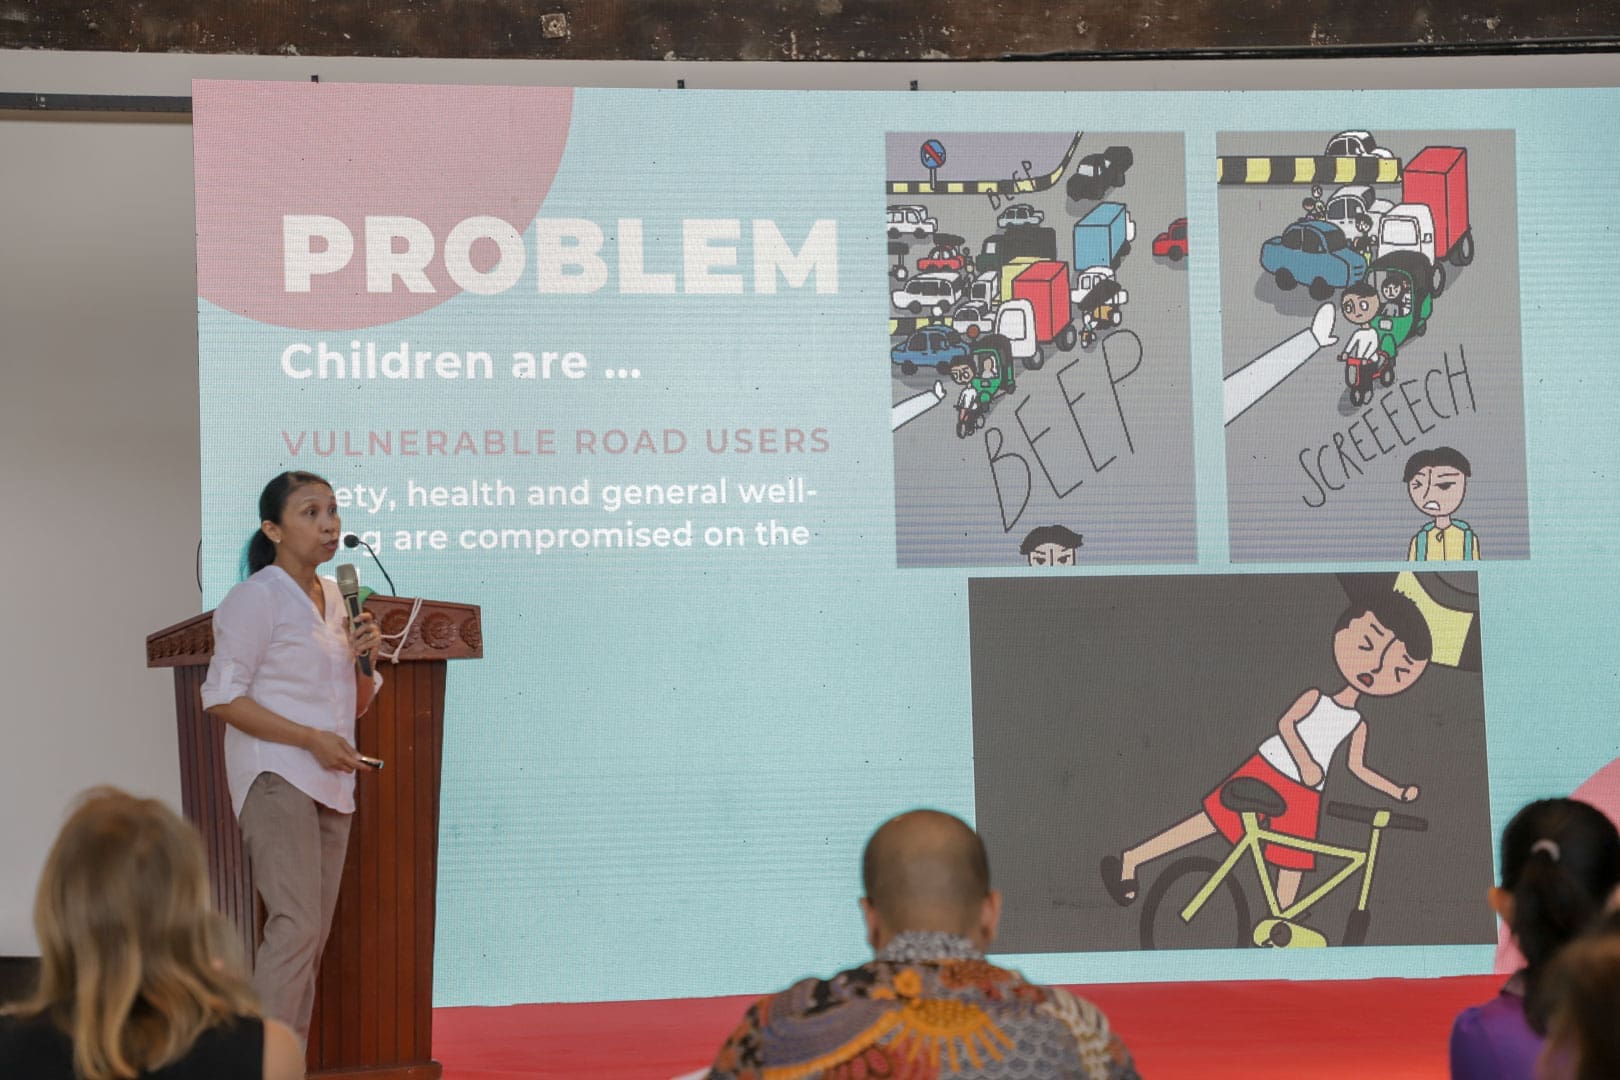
{"x":374,"y":1002}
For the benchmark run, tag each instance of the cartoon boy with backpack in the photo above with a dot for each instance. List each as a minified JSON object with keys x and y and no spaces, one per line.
{"x":1436,"y":481}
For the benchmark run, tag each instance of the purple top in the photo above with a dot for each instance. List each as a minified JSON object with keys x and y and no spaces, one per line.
{"x":1493,"y":1041}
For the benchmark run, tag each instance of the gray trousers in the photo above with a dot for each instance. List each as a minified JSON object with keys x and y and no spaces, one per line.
{"x":295,"y":848}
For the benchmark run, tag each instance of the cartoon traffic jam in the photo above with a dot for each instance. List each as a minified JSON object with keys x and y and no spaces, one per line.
{"x":978,"y":318}
{"x":1386,"y":260}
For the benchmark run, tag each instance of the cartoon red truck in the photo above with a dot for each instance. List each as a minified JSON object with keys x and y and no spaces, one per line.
{"x":1432,"y":217}
{"x":1045,"y":284}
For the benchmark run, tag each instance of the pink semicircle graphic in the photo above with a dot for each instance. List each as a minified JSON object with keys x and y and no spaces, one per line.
{"x":1602,"y":790}
{"x":439,"y":154}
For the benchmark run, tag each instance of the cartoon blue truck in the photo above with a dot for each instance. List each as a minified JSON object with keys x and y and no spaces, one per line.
{"x":1103,"y":236}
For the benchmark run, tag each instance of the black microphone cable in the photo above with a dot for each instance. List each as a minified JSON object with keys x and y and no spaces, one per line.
{"x":353,"y":541}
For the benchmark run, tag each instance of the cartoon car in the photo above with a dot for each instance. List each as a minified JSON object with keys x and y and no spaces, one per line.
{"x":1017,"y":242}
{"x":945,"y":257}
{"x":1313,"y":253}
{"x":910,"y":219}
{"x":1087,"y":280}
{"x":1403,"y":282}
{"x":1096,"y":173}
{"x":986,"y":288}
{"x":1355,"y":144}
{"x":972,"y":317}
{"x":1019,"y":214}
{"x":1353,"y":200}
{"x":1172,"y":243}
{"x":935,"y":293}
{"x":1090,"y":179}
{"x":934,"y":345}
{"x":1120,"y":159}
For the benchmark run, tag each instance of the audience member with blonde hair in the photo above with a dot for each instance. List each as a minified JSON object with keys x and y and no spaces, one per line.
{"x":139,"y":977}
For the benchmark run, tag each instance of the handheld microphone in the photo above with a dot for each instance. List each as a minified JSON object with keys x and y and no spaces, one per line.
{"x":349,"y":586}
{"x":352,"y":541}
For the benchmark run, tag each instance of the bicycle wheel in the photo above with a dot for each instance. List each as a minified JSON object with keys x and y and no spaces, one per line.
{"x":1222,"y":923}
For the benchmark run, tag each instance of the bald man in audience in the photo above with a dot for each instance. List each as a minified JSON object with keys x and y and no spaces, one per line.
{"x":929,"y":1004}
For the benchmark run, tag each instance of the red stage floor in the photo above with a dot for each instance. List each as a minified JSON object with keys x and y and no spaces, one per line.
{"x":1393,"y":1029}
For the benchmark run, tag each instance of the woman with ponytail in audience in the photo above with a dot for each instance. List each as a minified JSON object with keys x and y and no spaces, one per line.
{"x":284,"y":678}
{"x":139,"y":977}
{"x":1560,"y":864}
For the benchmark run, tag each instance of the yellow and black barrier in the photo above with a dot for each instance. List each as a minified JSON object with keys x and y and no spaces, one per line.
{"x":1012,"y":186}
{"x":1287,"y":169}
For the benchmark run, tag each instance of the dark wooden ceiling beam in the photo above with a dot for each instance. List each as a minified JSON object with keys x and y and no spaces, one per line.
{"x":890,"y":30}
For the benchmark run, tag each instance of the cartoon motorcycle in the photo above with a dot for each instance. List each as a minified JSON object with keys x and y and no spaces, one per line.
{"x":983,"y":376}
{"x":969,"y":413}
{"x":1362,"y":373}
{"x":1403,"y":280}
{"x":1101,"y":308}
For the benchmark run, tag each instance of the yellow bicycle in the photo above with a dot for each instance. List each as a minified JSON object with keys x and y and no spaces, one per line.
{"x":1203,"y":889}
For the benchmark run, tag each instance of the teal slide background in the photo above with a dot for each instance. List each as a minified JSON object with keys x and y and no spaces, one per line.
{"x":658,"y":781}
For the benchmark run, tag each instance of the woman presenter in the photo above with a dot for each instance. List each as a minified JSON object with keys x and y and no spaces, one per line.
{"x":285,"y":679}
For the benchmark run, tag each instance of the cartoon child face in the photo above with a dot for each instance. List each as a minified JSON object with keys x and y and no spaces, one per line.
{"x":1438,"y":490}
{"x":1372,"y":659}
{"x":1359,"y":309}
{"x":1051,"y":555}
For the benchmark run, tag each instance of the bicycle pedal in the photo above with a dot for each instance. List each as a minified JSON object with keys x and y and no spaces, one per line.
{"x":1287,"y":934}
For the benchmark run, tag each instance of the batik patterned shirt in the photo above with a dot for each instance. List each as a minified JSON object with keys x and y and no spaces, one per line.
{"x":929,"y":1006}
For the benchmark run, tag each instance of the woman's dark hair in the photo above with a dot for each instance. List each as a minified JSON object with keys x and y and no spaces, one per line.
{"x":272,"y":503}
{"x":1583,"y":992}
{"x":1560,"y":861}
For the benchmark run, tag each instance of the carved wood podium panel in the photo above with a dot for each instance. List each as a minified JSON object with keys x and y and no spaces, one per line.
{"x":374,"y":1001}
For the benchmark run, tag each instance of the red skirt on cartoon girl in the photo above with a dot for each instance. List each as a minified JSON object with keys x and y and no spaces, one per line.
{"x":1299,"y":819}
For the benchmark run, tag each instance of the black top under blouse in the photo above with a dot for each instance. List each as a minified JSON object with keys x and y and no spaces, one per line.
{"x":37,"y":1049}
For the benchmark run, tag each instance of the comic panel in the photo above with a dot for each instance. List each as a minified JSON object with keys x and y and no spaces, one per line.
{"x":1373,"y":393}
{"x":1038,"y":335}
{"x":1232,"y":761}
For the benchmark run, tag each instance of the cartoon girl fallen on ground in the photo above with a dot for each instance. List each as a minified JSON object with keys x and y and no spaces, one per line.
{"x":1381,"y":646}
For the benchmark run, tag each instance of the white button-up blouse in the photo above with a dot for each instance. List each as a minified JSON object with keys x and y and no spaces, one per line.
{"x":271,"y":645}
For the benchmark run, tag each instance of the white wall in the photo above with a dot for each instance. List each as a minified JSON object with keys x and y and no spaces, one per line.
{"x":98,"y":433}
{"x":98,"y":403}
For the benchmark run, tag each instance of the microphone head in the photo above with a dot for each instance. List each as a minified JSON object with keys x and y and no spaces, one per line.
{"x":348,"y":580}
{"x":351,"y":541}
